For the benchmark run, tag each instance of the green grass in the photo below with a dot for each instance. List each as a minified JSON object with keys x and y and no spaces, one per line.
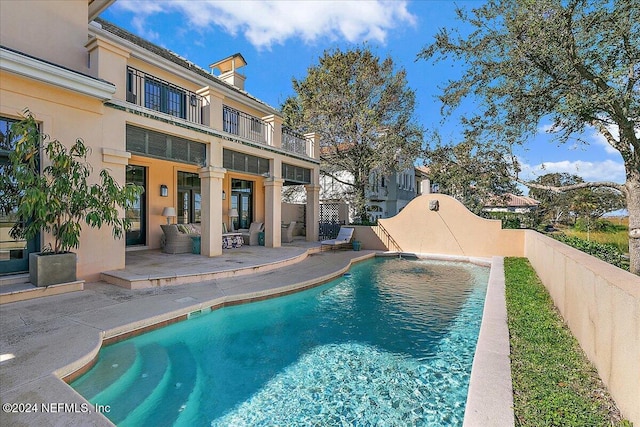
{"x":554,"y":384}
{"x":617,"y":233}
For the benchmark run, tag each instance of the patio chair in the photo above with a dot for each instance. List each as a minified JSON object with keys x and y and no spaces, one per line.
{"x":175,"y":241}
{"x":250,"y":236}
{"x":342,"y":240}
{"x":286,"y":235}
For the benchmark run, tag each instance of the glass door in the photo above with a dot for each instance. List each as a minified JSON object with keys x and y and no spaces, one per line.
{"x":242,"y":200}
{"x":189,"y":198}
{"x":136,"y":213}
{"x":14,"y":253}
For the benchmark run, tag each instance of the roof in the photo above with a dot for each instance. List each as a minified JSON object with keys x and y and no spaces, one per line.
{"x":423,"y":170}
{"x":175,"y":58}
{"x":512,"y":200}
{"x":230,"y":63}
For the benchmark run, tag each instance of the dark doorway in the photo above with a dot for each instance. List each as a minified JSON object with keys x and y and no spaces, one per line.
{"x":137,"y":212}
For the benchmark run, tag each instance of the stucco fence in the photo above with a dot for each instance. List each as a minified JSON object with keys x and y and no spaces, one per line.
{"x":599,"y":302}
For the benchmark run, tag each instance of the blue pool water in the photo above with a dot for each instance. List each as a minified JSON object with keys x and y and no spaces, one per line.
{"x":391,"y":344}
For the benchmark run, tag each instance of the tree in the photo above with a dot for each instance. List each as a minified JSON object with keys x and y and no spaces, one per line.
{"x":363,"y":110}
{"x":58,"y":200}
{"x":470,"y":173}
{"x":554,"y":206}
{"x":574,"y":63}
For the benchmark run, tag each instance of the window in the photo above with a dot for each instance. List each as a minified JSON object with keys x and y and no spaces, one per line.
{"x":230,"y":120}
{"x":159,"y":96}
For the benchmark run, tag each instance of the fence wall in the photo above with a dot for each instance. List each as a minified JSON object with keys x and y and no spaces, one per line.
{"x":601,"y":305}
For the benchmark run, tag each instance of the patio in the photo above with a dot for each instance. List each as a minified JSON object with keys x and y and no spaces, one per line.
{"x":151,"y":268}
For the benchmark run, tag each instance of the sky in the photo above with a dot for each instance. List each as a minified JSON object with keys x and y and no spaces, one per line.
{"x":281,"y":39}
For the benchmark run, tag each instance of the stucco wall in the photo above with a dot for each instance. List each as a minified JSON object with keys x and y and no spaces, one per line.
{"x":601,"y":305}
{"x":451,"y":230}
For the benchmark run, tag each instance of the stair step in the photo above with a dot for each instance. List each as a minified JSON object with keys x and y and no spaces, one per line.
{"x":154,"y":364}
{"x":165,"y":405}
{"x":113,"y":362}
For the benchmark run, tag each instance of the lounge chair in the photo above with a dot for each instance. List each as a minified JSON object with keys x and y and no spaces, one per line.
{"x":287,"y":232}
{"x":250,"y":236}
{"x":342,"y":240}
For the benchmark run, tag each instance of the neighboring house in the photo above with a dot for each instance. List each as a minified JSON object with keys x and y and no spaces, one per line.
{"x":386,"y":194}
{"x":195,"y":141}
{"x":511,"y":203}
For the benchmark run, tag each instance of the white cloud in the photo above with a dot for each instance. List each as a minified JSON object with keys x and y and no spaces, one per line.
{"x":269,"y":22}
{"x":606,"y":170}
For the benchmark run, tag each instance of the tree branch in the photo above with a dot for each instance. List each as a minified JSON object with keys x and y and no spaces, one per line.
{"x":602,"y":184}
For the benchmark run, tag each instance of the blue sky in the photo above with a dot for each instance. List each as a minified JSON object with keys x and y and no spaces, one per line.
{"x":281,"y":39}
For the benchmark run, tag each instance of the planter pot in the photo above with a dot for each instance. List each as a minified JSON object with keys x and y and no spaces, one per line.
{"x":52,"y":269}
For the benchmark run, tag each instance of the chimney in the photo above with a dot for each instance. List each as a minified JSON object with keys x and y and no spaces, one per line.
{"x":228,"y":69}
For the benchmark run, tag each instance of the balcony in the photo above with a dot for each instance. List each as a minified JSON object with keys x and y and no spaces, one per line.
{"x":294,"y":142}
{"x":246,"y":126}
{"x":151,"y":92}
{"x":148,"y":91}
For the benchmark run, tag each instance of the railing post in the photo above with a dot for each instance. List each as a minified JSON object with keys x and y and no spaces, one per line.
{"x":313,"y":145}
{"x":274,"y":130}
{"x":212,"y":110}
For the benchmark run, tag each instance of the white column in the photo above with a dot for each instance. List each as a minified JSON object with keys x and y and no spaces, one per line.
{"x":313,"y":212}
{"x":211,"y":227}
{"x":273,"y":211}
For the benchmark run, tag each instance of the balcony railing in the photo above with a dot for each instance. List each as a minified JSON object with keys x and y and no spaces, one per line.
{"x":246,"y":126}
{"x":156,"y":94}
{"x":293,"y":141}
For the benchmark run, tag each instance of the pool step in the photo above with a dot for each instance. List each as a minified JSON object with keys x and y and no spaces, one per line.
{"x":154,"y":367}
{"x":163,"y":407}
{"x":112,"y":364}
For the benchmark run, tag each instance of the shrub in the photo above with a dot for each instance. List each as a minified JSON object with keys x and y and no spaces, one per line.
{"x":605,"y":251}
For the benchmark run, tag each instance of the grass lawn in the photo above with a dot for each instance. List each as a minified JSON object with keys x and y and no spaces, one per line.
{"x":618,"y":235}
{"x":554,"y":384}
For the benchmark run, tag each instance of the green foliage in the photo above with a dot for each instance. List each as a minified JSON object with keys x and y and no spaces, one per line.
{"x":599,"y":225}
{"x":553,"y":382}
{"x":605,"y":251}
{"x":509,"y":220}
{"x":59,"y":199}
{"x":574,"y":64}
{"x":363,"y":110}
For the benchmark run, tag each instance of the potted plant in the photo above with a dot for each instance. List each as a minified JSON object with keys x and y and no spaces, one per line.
{"x":58,"y":200}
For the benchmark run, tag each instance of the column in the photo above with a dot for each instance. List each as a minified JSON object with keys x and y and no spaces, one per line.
{"x":211,"y":227}
{"x":273,"y":211}
{"x":275,"y":125}
{"x":313,"y":212}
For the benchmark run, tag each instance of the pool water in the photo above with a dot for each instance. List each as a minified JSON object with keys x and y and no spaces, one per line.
{"x":390,"y":344}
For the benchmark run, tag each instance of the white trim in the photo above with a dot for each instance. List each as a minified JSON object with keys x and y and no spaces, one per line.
{"x":118,"y":157}
{"x":36,"y":69}
{"x":155,"y":60}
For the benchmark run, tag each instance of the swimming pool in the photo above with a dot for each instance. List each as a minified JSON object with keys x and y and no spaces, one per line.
{"x":391,"y":344}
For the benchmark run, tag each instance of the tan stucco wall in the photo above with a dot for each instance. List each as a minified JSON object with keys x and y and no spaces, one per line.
{"x":601,"y":305}
{"x":368,"y":238}
{"x":452,"y":230}
{"x":67,"y":116}
{"x":40,"y":28}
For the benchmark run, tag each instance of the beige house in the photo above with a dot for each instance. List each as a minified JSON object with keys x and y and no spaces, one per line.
{"x":193,"y":138}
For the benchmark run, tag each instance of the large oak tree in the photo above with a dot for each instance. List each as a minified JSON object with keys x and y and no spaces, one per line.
{"x":573,"y":63}
{"x":364,"y":112}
